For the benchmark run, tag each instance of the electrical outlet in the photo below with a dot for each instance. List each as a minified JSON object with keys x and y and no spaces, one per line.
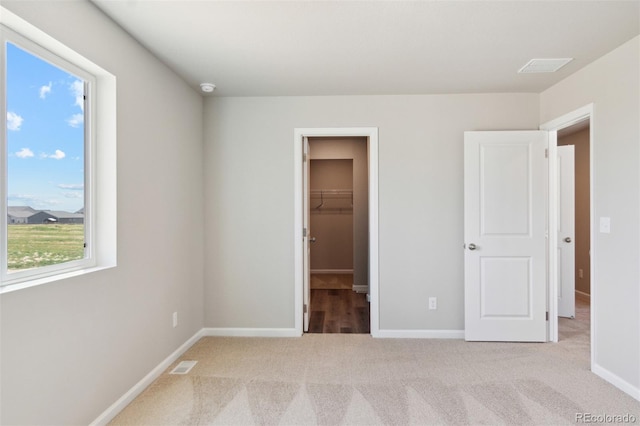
{"x":433,"y":303}
{"x":175,"y":319}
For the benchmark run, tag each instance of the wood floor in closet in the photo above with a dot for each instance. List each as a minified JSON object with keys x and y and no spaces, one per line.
{"x":339,"y":309}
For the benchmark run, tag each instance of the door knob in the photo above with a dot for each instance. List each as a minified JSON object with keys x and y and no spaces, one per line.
{"x":567,"y":240}
{"x":472,"y":246}
{"x":312,"y":239}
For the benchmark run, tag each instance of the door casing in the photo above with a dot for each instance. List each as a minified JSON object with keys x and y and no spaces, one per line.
{"x":564,"y":121}
{"x":299,"y":244}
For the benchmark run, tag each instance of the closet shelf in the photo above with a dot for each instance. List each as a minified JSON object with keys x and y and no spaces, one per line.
{"x":338,"y":201}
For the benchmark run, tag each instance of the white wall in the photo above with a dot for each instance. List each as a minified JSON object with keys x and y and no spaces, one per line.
{"x":249,"y":161}
{"x":70,"y":349}
{"x":612,"y":84}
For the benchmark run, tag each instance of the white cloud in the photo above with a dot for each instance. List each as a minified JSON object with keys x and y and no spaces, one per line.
{"x":45,"y":90}
{"x":73,"y":186}
{"x":14,"y":121}
{"x":74,"y":194}
{"x":59,"y":155}
{"x":76,"y":120}
{"x":24,"y":153}
{"x":77,"y":89}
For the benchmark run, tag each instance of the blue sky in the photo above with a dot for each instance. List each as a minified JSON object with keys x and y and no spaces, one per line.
{"x":45,"y":134}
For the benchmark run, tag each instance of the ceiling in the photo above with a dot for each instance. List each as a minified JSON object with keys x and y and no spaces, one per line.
{"x":285,"y":48}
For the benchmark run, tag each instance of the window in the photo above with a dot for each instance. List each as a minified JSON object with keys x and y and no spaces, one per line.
{"x":47,"y":136}
{"x":57,"y":213}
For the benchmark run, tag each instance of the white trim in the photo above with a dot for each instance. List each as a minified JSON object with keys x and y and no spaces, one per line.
{"x":251,"y":332}
{"x":49,"y":279}
{"x":360,"y":288}
{"x":332,"y":271}
{"x":110,"y":413}
{"x":583,"y":296}
{"x":616,"y":381}
{"x":567,"y":120}
{"x":421,"y":334}
{"x":371,"y":133}
{"x":552,"y":236}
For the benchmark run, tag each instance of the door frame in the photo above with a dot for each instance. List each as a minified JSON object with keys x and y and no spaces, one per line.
{"x":564,"y":121}
{"x":371,"y":133}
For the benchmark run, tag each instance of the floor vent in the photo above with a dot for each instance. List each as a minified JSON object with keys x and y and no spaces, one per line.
{"x":184,"y":367}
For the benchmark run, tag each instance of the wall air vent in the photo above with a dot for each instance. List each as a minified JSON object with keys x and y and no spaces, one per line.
{"x":544,"y":65}
{"x":184,"y":367}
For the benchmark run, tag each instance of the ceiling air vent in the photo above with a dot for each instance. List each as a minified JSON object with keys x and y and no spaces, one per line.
{"x":184,"y":367}
{"x":544,"y":65}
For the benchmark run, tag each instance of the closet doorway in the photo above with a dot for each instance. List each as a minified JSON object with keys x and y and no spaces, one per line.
{"x":337,"y":303}
{"x":338,"y":235}
{"x":301,"y":223}
{"x":338,"y":229}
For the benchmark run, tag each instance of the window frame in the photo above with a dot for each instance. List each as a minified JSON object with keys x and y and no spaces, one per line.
{"x":100,"y":170}
{"x":89,"y":81}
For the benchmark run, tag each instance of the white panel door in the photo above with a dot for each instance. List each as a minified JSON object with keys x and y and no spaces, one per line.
{"x":566,"y":232}
{"x":505,"y":221}
{"x":306,"y":178}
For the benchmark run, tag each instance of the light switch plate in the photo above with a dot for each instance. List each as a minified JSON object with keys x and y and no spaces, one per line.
{"x":605,"y":225}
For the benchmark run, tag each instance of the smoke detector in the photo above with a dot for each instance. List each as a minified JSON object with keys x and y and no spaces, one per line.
{"x":207,"y":87}
{"x":544,"y":65}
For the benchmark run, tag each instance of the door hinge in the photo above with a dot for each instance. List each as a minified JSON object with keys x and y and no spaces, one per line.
{"x":546,"y":153}
{"x":304,"y":308}
{"x":304,"y":157}
{"x":304,"y":232}
{"x":546,"y":317}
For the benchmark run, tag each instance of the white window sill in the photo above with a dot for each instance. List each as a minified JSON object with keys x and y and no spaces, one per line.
{"x":8,"y":288}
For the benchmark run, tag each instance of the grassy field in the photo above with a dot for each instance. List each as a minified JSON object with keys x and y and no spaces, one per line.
{"x":32,"y":246}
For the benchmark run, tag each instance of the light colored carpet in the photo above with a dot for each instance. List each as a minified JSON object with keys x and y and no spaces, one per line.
{"x":334,"y":379}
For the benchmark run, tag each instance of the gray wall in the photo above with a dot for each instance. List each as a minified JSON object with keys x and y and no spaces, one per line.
{"x":611,"y":83}
{"x":249,"y":158}
{"x":70,"y":349}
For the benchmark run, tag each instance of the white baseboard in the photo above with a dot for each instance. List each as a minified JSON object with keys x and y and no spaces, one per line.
{"x":332,"y":271}
{"x":360,"y":288}
{"x":583,"y":296}
{"x":421,"y":334}
{"x":617,"y":381}
{"x":137,"y":389}
{"x":251,"y":332}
